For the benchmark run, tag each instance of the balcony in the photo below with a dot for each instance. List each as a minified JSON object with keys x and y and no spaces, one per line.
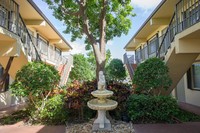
{"x":11,"y":21}
{"x":48,"y":53}
{"x":186,"y":15}
{"x":179,"y":45}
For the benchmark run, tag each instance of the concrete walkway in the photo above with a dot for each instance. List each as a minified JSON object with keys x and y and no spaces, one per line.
{"x":190,"y":127}
{"x":193,"y":127}
{"x":32,"y":129}
{"x":189,"y":107}
{"x":17,"y":128}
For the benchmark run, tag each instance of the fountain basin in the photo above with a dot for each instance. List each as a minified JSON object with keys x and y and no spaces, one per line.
{"x":108,"y":105}
{"x":102,"y":93}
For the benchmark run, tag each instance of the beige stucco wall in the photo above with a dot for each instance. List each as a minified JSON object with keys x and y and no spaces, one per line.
{"x":6,"y":98}
{"x":190,"y":96}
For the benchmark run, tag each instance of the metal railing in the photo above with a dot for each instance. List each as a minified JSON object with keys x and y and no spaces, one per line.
{"x":11,"y":20}
{"x":47,"y":52}
{"x":187,"y":14}
{"x":149,"y":50}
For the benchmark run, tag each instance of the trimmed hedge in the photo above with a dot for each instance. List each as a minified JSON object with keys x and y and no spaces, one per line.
{"x":151,"y":109}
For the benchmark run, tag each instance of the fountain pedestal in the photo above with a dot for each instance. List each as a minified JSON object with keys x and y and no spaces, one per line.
{"x":102,"y":104}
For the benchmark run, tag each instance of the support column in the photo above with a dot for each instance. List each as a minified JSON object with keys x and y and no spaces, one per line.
{"x":5,"y":74}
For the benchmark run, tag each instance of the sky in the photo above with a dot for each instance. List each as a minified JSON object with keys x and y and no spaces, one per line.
{"x":142,"y":9}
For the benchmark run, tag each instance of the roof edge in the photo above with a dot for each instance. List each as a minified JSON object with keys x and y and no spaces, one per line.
{"x":147,"y":20}
{"x":47,"y":20}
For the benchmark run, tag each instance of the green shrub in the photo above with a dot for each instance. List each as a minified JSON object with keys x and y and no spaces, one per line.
{"x":121,"y":93}
{"x":76,"y":98}
{"x":78,"y":94}
{"x":151,"y":77}
{"x":151,"y":109}
{"x":53,"y":113}
{"x":35,"y":80}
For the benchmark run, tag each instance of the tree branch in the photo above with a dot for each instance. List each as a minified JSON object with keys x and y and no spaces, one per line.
{"x":67,"y":12}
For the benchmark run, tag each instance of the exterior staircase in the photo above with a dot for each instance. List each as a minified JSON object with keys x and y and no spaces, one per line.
{"x":179,"y":47}
{"x":16,"y":41}
{"x":130,"y":65}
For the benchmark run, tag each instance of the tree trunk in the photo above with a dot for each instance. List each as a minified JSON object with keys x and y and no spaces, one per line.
{"x":100,"y":67}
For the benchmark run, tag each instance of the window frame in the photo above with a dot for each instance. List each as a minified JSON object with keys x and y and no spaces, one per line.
{"x":190,"y":78}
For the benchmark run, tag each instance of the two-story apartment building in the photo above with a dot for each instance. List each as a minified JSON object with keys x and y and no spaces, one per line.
{"x":172,"y":33}
{"x":27,"y":35}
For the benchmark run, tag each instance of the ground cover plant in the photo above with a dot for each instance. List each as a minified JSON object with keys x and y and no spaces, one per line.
{"x":157,"y":109}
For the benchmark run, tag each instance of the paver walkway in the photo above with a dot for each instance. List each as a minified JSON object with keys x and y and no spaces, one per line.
{"x":193,"y":127}
{"x":32,"y":129}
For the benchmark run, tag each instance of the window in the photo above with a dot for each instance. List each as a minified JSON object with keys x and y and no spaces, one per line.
{"x":51,"y":52}
{"x":43,"y":46}
{"x":58,"y":53}
{"x":153,"y":46}
{"x":196,"y":75}
{"x":193,"y":77}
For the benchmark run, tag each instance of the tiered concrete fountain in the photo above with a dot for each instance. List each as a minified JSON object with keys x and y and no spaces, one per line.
{"x":102,"y":104}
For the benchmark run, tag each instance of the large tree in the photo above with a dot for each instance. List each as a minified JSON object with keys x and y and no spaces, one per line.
{"x":96,"y":20}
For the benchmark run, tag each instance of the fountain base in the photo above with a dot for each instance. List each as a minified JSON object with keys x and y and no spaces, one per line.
{"x":102,"y":123}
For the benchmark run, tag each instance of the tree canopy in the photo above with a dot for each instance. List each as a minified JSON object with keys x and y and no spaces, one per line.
{"x":96,"y":20}
{"x":115,"y":70}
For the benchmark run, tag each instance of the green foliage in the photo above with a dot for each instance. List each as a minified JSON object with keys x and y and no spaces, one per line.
{"x":77,"y":96}
{"x":185,"y":116}
{"x":92,"y":61}
{"x":54,"y":112}
{"x":151,"y":109}
{"x":115,"y":71}
{"x":151,"y":77}
{"x":121,"y":93}
{"x":82,"y":69}
{"x":35,"y":79}
{"x":117,"y":16}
